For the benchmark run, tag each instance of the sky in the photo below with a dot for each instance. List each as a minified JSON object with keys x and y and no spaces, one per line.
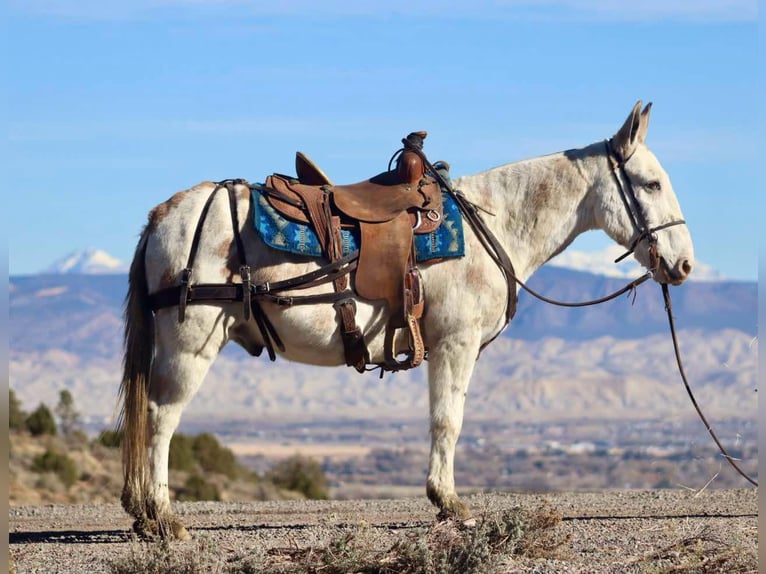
{"x":109,"y":107}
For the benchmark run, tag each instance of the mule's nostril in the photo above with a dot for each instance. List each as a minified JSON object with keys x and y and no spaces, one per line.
{"x":686,"y":267}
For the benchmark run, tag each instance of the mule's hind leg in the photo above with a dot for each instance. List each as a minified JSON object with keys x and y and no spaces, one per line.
{"x":450,"y":364}
{"x":183,"y":357}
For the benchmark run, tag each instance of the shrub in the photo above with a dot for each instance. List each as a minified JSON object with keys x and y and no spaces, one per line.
{"x":41,"y":421}
{"x":197,"y":488}
{"x":67,"y":413}
{"x":58,"y":463}
{"x":109,"y":438}
{"x":181,"y":456}
{"x":301,"y":474}
{"x":201,"y":556}
{"x":213,"y":457}
{"x":16,"y":415}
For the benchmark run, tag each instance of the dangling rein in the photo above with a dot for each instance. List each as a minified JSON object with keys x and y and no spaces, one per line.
{"x":472,"y":214}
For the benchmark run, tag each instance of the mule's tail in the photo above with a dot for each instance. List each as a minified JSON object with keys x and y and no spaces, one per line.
{"x":134,"y":395}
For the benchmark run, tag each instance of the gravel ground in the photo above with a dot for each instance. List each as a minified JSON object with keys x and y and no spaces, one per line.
{"x":612,"y":531}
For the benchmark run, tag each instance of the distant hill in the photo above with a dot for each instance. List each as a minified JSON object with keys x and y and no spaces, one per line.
{"x":82,"y":313}
{"x":707,"y":306}
{"x":613,"y":360}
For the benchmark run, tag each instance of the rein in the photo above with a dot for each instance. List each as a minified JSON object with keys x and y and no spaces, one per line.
{"x":679,"y":362}
{"x":640,"y":225}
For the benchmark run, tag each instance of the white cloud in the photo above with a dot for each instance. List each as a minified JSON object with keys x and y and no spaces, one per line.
{"x":602,"y":263}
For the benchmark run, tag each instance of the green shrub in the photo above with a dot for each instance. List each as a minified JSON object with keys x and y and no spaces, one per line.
{"x":58,"y":463}
{"x":67,"y":413}
{"x":213,"y":457}
{"x":181,"y":456}
{"x":301,"y":474}
{"x":109,"y":438}
{"x":16,"y":415}
{"x":41,"y":421}
{"x":197,"y":488}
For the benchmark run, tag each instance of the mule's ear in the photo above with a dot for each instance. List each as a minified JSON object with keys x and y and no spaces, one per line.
{"x":626,"y":139}
{"x":644,"y":122}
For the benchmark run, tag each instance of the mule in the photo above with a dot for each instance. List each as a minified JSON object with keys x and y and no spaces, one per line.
{"x":535,"y":208}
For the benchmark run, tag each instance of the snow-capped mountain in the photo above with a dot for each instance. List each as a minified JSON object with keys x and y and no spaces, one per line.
{"x":90,"y":261}
{"x":602,"y":263}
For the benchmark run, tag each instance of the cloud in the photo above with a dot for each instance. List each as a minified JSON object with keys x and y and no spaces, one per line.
{"x":601,"y":262}
{"x":547,"y":10}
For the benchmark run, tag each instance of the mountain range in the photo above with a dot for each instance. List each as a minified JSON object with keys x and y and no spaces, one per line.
{"x":605,"y":361}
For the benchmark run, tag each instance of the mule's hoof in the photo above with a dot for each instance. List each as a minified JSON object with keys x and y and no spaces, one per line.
{"x":456,"y":511}
{"x":146,"y":528}
{"x":172,"y":529}
{"x":180,"y":532}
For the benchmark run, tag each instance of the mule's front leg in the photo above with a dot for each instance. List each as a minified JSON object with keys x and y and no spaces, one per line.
{"x":450,"y":365}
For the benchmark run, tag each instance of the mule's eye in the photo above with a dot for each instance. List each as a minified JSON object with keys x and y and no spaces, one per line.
{"x":653,"y":186}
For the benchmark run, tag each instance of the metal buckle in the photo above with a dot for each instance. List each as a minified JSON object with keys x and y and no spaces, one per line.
{"x":186,"y":276}
{"x":433,"y":215}
{"x":244,"y":273}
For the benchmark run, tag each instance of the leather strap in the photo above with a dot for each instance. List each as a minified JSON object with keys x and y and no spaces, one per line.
{"x":186,"y":273}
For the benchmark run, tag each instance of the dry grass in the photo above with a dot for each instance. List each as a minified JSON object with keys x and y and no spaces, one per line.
{"x":445,"y":547}
{"x":699,"y":552}
{"x":163,"y":557}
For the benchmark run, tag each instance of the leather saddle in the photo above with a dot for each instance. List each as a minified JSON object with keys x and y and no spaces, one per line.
{"x":387,"y":209}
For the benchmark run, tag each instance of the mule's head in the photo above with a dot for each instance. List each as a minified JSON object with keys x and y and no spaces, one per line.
{"x":639,"y":207}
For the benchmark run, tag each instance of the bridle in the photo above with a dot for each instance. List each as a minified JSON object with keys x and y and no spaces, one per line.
{"x":633,"y":207}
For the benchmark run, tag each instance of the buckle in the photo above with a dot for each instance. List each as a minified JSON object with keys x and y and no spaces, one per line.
{"x":183,"y":296}
{"x":433,"y":215}
{"x":244,"y":273}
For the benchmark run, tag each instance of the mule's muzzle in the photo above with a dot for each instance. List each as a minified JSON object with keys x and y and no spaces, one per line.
{"x":674,"y":275}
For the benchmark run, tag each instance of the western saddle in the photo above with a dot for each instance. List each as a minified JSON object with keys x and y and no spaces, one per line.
{"x":386,"y":211}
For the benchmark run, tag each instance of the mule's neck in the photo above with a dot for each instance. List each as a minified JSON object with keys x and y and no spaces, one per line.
{"x":540,"y":205}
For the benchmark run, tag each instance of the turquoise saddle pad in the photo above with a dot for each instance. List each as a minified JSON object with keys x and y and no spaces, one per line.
{"x":280,"y":233}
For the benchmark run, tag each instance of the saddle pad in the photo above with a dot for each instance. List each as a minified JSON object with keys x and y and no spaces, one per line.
{"x":280,"y":233}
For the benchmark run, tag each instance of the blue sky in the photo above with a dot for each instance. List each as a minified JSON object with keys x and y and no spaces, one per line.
{"x":109,"y":107}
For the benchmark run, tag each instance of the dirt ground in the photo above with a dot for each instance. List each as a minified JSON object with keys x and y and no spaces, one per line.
{"x":613,"y":531}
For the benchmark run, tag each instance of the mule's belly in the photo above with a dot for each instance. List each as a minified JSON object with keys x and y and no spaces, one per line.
{"x":311,"y":333}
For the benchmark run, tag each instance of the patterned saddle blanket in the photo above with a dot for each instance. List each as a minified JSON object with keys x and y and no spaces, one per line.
{"x":445,"y":241}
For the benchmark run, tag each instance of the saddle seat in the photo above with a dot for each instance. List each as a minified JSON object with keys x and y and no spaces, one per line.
{"x":387,"y":209}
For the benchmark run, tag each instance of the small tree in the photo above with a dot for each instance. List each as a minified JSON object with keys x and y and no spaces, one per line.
{"x":197,"y":488}
{"x":41,"y":421}
{"x":110,"y":438}
{"x":301,"y":474}
{"x":67,"y":413}
{"x":213,"y":457}
{"x":51,"y":461}
{"x":16,"y":416}
{"x":181,"y":455}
